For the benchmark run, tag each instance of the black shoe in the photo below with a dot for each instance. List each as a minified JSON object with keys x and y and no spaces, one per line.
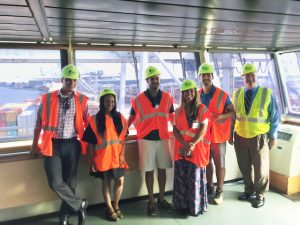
{"x":246,"y":196}
{"x":164,"y":205}
{"x":258,"y":202}
{"x":82,"y":213}
{"x":64,"y":220}
{"x":151,"y":208}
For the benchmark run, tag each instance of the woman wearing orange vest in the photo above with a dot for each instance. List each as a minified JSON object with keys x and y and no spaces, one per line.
{"x":191,"y":152}
{"x":106,"y":137}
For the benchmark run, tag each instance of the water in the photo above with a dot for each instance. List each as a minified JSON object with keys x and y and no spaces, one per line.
{"x":12,"y":95}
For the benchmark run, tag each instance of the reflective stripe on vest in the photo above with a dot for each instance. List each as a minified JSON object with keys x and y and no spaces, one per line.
{"x":105,"y":143}
{"x":48,"y":104}
{"x":150,"y":115}
{"x":261,"y":108}
{"x":236,"y":97}
{"x":220,"y":97}
{"x":191,"y":134}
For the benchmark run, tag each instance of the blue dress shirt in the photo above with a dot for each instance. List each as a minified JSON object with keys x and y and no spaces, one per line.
{"x":273,"y":111}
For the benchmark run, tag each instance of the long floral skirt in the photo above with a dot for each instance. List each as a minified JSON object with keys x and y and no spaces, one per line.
{"x":189,"y":191}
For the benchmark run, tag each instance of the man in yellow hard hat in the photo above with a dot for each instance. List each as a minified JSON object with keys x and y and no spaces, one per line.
{"x":257,"y":119}
{"x":219,"y":104}
{"x":61,"y":119}
{"x":150,"y":112}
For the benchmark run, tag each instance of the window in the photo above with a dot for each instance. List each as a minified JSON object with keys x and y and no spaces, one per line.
{"x":25,"y":75}
{"x":228,"y":68}
{"x":124,"y":72}
{"x":290,"y":72}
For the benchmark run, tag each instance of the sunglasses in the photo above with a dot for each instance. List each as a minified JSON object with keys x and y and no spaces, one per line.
{"x":66,"y":102}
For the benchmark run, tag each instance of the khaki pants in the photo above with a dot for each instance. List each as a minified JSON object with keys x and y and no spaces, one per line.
{"x":253,"y":160}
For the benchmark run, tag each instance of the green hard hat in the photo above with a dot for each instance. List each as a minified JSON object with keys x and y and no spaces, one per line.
{"x":151,"y":71}
{"x":187,"y":85}
{"x":107,"y":91}
{"x":70,"y":71}
{"x":205,"y":68}
{"x":248,"y":68}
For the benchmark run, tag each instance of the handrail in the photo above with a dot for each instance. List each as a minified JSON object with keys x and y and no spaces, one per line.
{"x":16,"y":151}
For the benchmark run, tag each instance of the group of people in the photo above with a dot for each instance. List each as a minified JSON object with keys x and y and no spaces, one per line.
{"x":205,"y":120}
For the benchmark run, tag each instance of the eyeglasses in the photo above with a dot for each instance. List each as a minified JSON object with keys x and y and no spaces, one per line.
{"x":66,"y":102}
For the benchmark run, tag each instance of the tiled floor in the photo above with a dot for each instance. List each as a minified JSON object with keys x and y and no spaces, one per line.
{"x":278,"y":210}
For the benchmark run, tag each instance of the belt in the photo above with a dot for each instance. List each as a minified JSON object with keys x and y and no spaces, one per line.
{"x":63,"y":140}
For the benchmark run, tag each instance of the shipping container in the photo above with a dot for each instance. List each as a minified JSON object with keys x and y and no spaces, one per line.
{"x":26,"y":122}
{"x":12,"y":133}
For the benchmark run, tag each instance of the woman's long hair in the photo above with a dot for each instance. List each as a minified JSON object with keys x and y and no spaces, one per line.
{"x":100,"y":117}
{"x":195,"y":103}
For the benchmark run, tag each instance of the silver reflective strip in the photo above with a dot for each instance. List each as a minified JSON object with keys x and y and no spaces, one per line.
{"x":104,"y":144}
{"x":220,"y":99}
{"x":177,"y":113}
{"x":236,"y":97}
{"x":204,"y":109}
{"x":191,"y":134}
{"x":169,"y":103}
{"x":48,"y":102}
{"x":150,"y":115}
{"x":138,"y":105}
{"x":263,"y":102}
{"x":81,"y":98}
{"x":187,"y":133}
{"x":253,"y":120}
{"x":49,"y":128}
{"x":139,"y":120}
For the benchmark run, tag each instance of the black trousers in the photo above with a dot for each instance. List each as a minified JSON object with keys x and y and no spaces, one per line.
{"x":61,"y":170}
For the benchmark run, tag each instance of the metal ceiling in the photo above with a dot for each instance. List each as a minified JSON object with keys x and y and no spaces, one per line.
{"x":271,"y":24}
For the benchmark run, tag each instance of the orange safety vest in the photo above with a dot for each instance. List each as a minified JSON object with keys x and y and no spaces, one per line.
{"x":220,"y":131}
{"x":50,"y":119}
{"x":149,"y":118}
{"x":200,"y":155}
{"x":109,"y":146}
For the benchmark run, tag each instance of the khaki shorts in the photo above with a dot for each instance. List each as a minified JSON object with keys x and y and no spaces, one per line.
{"x":154,"y":154}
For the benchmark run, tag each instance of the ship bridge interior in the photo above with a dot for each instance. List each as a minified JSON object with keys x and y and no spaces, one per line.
{"x":191,"y":24}
{"x":112,"y":42}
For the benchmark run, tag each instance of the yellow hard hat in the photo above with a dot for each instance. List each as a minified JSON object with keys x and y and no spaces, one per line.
{"x":151,"y":71}
{"x":205,"y":68}
{"x":187,"y":85}
{"x":248,"y":68}
{"x":107,"y":91}
{"x":70,"y":71}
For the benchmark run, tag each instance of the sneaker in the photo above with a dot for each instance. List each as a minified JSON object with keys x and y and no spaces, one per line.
{"x":219,"y":198}
{"x":164,"y":205}
{"x":210,"y":190}
{"x":258,"y":202}
{"x":151,"y":208}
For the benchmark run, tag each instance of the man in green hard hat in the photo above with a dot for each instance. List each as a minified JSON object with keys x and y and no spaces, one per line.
{"x":151,"y":110}
{"x":61,"y":119}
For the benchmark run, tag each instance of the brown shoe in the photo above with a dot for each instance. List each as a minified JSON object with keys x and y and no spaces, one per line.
{"x":119,"y":214}
{"x":112,"y":216}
